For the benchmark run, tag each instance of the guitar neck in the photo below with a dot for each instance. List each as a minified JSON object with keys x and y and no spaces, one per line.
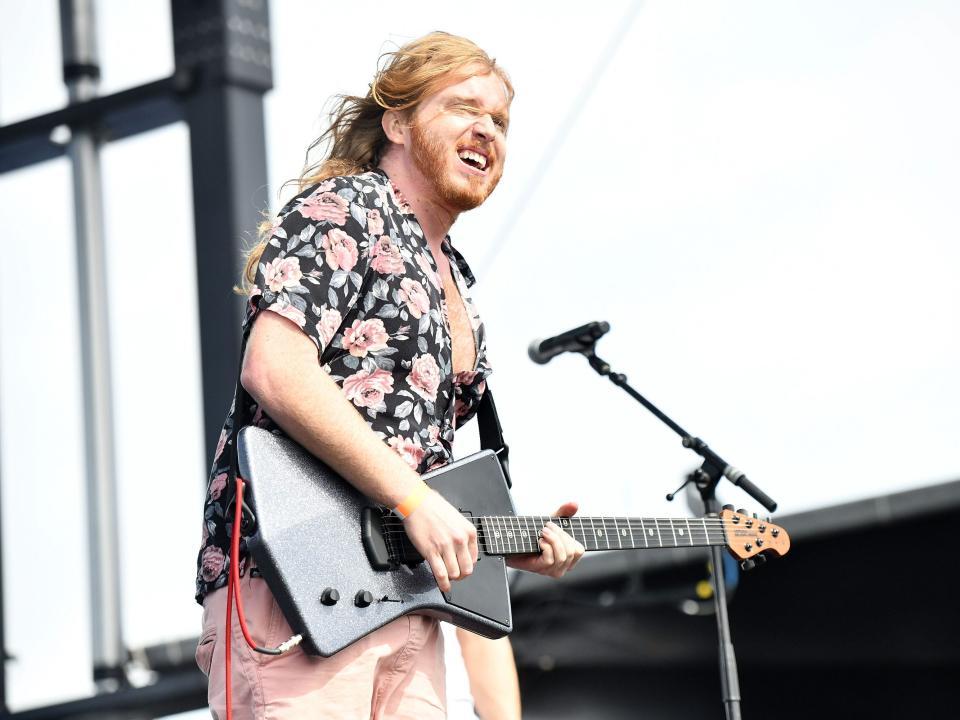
{"x":511,"y":535}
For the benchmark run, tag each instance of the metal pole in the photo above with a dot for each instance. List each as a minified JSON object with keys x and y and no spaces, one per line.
{"x":81,"y":75}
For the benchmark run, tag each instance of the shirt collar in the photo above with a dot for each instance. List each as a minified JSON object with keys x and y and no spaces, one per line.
{"x":447,"y":246}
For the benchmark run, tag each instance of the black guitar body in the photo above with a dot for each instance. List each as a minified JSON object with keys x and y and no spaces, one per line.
{"x":317,"y":537}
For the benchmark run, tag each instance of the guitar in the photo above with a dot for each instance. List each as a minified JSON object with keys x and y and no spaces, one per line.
{"x":341,"y":566}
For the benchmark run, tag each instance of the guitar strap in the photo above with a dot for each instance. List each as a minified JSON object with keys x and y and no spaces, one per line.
{"x":491,"y":432}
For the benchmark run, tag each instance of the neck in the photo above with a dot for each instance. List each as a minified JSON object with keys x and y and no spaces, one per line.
{"x":434,"y":216}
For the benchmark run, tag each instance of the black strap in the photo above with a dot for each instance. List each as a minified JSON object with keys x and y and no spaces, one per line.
{"x":491,"y":433}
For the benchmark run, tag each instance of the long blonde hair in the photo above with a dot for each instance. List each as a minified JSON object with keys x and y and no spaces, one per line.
{"x":355,"y":137}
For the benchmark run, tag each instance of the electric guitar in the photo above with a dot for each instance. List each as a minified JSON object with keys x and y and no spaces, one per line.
{"x":340,"y":566}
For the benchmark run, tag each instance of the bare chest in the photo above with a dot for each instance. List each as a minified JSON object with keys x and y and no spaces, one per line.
{"x":461,"y":330}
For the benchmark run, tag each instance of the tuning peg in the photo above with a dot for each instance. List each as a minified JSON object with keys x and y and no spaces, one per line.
{"x":728,"y":506}
{"x":742,"y":511}
{"x":760,"y":560}
{"x":748,"y":565}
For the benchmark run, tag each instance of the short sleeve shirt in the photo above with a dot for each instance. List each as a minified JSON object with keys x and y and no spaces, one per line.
{"x":348,"y":263}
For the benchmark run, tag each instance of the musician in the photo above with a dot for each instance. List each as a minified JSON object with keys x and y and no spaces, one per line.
{"x":361,"y":342}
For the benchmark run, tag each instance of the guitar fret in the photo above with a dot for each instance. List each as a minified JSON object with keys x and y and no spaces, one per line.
{"x":616,"y":529}
{"x":633,"y":543}
{"x":689,"y":533}
{"x":659,"y":537}
{"x":706,"y":534}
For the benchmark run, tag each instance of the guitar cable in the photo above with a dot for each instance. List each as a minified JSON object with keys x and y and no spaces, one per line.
{"x":233,"y":594}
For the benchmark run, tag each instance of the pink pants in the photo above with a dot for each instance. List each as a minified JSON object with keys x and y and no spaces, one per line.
{"x":395,"y":672}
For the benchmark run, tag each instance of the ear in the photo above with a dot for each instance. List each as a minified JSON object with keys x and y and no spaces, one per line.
{"x":394,"y":127}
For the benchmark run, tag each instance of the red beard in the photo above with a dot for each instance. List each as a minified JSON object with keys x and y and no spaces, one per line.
{"x":430,"y":156}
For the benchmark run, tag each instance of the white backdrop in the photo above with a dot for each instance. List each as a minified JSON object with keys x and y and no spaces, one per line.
{"x":760,"y":198}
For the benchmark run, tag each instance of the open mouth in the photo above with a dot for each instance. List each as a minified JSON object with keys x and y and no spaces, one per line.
{"x":472,"y":158}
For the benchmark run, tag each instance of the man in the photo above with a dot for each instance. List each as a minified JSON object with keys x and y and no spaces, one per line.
{"x":369,"y":355}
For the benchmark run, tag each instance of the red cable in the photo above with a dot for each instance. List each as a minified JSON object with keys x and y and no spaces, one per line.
{"x":233,"y":591}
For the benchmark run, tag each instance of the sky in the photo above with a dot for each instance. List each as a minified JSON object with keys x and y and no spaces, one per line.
{"x":760,"y":198}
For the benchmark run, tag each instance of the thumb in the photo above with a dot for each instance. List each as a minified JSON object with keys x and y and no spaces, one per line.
{"x":568,"y":509}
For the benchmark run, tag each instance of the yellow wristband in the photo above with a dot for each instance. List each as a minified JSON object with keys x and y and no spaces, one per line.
{"x":412,"y":501}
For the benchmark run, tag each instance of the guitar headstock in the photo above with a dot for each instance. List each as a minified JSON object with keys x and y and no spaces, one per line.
{"x":750,"y":537}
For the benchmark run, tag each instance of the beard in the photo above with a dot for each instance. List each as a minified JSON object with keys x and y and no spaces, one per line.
{"x":430,"y":157}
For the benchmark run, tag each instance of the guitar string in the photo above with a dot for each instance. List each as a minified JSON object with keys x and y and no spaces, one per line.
{"x":699,"y":532}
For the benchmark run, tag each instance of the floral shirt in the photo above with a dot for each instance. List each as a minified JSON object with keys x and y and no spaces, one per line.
{"x":347,"y":262}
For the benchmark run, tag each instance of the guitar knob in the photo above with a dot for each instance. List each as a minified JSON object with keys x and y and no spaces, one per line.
{"x":760,"y":559}
{"x":330,"y":596}
{"x":728,"y":506}
{"x":363,"y":598}
{"x":748,"y":565}
{"x":742,"y":511}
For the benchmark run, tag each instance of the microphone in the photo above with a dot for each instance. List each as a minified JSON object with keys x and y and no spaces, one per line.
{"x":576,"y":340}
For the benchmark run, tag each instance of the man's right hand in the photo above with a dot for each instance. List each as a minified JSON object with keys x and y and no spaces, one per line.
{"x":445,"y":538}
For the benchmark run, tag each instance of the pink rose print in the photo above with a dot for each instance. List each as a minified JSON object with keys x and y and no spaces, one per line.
{"x":282,"y":273}
{"x":288,"y":311}
{"x":386,"y":257}
{"x":366,"y":389}
{"x":340,"y":250}
{"x":412,"y":293}
{"x":217,"y":485}
{"x":374,"y":222}
{"x":324,"y":206}
{"x":433,"y":433}
{"x":211,"y":563}
{"x":330,"y":320}
{"x":409,"y":450}
{"x":365,"y":336}
{"x":431,"y":274}
{"x":424,"y":377}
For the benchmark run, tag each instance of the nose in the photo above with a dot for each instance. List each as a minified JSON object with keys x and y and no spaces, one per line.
{"x":484,"y":128}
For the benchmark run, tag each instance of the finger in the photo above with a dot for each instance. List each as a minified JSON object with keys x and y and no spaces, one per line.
{"x":451,"y":562}
{"x":464,"y":560}
{"x":472,"y":547}
{"x":574,"y":553}
{"x":555,"y":537}
{"x":440,"y":572}
{"x":568,"y":509}
{"x":546,"y":549}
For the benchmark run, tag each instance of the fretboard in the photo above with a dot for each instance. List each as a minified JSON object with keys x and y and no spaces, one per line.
{"x":509,"y":535}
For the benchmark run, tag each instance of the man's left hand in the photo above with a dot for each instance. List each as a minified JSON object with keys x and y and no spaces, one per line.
{"x":558,"y":551}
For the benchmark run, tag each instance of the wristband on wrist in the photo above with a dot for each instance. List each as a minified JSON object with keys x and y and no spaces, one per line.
{"x":412,"y":501}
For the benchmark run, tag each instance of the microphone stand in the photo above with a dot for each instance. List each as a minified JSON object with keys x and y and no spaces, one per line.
{"x":705,"y":478}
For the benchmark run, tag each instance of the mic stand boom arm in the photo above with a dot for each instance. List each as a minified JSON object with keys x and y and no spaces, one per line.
{"x":706,"y":478}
